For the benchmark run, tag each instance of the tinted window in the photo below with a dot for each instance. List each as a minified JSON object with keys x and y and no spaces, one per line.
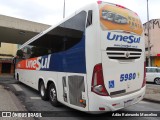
{"x":147,"y":69}
{"x":89,"y":19}
{"x":61,"y":38}
{"x":151,"y":70}
{"x":158,"y":70}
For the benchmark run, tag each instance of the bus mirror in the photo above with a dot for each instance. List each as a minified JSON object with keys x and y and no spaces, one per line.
{"x":19,"y":53}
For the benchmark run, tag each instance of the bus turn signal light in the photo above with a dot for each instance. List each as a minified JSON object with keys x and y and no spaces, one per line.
{"x":81,"y":101}
{"x":98,"y":86}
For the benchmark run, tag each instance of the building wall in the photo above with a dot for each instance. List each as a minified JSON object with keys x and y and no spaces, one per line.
{"x":156,"y":61}
{"x":9,"y":49}
{"x":154,"y":36}
{"x":7,"y":52}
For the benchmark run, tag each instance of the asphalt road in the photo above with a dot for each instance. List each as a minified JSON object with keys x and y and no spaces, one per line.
{"x":32,"y":101}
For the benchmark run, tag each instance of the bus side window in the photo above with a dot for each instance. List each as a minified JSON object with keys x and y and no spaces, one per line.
{"x":19,"y":57}
{"x":61,"y":38}
{"x":89,"y":19}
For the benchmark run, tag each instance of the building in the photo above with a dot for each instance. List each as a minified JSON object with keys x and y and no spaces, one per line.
{"x":7,"y":52}
{"x":16,"y":31}
{"x":154,"y":36}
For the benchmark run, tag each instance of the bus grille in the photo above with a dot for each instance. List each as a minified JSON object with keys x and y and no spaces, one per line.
{"x":76,"y":87}
{"x":123,"y":53}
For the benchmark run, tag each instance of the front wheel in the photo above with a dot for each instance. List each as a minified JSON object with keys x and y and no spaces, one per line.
{"x":43,"y":91}
{"x":17,"y":78}
{"x":53,"y":95}
{"x":157,"y":81}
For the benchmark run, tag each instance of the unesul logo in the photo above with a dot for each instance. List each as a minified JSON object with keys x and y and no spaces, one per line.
{"x":128,"y":39}
{"x":38,"y":63}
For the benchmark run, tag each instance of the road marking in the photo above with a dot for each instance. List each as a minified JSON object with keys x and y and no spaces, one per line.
{"x":35,"y":98}
{"x":17,"y":87}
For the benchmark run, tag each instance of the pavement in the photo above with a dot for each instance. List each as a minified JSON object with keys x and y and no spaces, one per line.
{"x":9,"y":101}
{"x":152,"y":93}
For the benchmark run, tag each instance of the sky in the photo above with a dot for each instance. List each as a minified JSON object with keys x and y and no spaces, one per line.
{"x":51,"y":11}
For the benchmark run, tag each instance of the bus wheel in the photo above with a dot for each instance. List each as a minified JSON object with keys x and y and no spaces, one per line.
{"x":17,"y":78}
{"x":43,"y":91}
{"x":53,"y":95}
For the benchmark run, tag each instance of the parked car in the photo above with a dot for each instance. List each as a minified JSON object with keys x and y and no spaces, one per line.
{"x":153,"y":74}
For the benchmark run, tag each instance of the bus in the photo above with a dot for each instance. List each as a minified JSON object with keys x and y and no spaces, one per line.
{"x":93,"y":60}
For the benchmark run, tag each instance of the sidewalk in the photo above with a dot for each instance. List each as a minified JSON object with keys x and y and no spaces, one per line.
{"x":152,"y":93}
{"x":6,"y":76}
{"x":8,"y":101}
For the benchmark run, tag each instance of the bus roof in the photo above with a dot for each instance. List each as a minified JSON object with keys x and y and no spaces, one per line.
{"x":64,"y":20}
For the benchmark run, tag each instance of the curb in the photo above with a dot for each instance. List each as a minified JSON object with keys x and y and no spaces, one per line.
{"x":151,"y":100}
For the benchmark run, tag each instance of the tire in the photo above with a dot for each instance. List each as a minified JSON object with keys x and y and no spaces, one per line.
{"x":43,"y":91}
{"x":53,"y":95}
{"x":157,"y":81}
{"x":18,"y":77}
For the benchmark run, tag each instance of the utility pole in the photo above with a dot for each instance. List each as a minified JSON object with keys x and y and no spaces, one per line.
{"x":149,"y":42}
{"x":64,"y":10}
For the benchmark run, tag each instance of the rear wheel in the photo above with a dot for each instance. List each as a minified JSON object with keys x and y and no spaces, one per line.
{"x":17,"y":77}
{"x":157,"y":81}
{"x":43,"y":91}
{"x":53,"y":95}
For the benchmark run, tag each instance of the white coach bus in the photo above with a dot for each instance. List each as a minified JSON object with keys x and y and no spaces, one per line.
{"x":91,"y":61}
